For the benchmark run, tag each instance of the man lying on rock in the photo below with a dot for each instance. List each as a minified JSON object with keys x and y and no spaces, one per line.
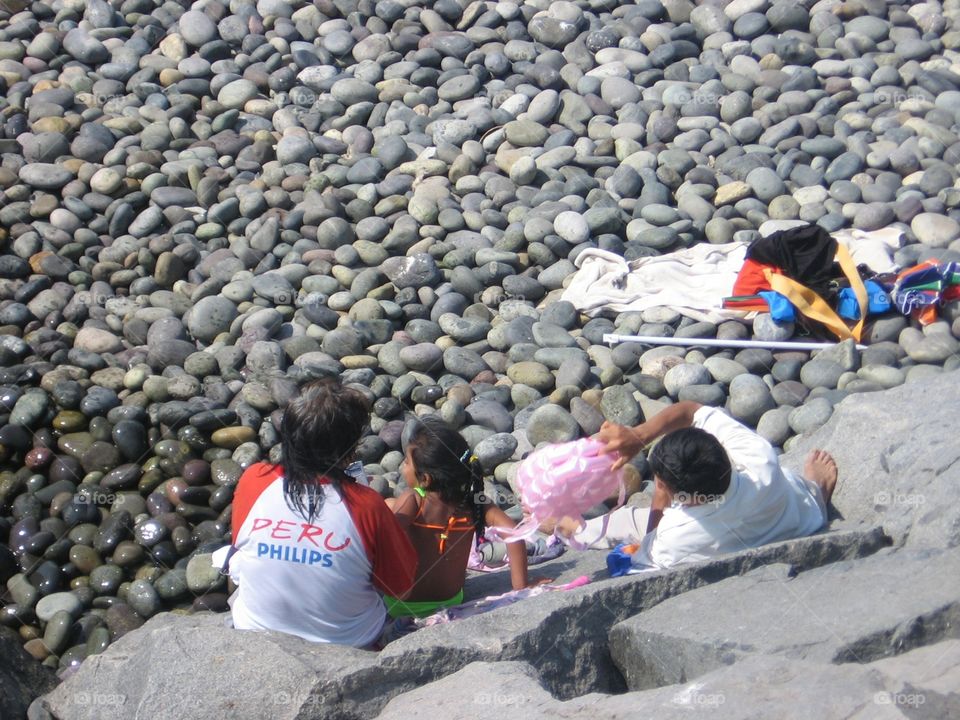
{"x":719,"y":488}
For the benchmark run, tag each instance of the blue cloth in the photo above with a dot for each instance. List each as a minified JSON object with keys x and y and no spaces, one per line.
{"x":781,"y":309}
{"x":878,"y":301}
{"x":619,"y":562}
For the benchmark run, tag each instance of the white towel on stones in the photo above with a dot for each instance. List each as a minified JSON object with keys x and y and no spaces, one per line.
{"x":873,"y":248}
{"x":693,"y":281}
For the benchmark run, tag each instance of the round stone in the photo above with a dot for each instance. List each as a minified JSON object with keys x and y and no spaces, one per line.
{"x":197,"y":28}
{"x":144,"y":599}
{"x":724,"y":370}
{"x":551,"y":424}
{"x":767,"y":329}
{"x":533,"y":374}
{"x":821,"y":373}
{"x":572,"y":227}
{"x":495,"y":449}
{"x":749,"y":399}
{"x":811,"y":415}
{"x":236,"y":94}
{"x":934,"y":230}
{"x":765,"y":184}
{"x":211,"y":316}
{"x":684,"y":375}
{"x":50,"y":605}
{"x":202,"y":576}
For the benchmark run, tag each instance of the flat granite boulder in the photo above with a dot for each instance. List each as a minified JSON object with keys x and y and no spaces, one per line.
{"x":221,"y":672}
{"x":919,"y":684}
{"x":846,"y":612}
{"x":899,"y":460}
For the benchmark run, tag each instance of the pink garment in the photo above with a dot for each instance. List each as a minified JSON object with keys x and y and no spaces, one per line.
{"x":562,"y":480}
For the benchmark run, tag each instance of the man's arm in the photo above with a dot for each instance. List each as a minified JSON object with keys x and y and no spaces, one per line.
{"x":627,"y":442}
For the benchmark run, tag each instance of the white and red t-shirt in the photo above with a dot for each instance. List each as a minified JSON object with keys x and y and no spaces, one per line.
{"x":321,"y":581}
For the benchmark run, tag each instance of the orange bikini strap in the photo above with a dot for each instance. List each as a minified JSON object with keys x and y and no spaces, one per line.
{"x":452,"y":526}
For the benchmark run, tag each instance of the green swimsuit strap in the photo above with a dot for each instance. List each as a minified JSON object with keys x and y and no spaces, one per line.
{"x":420,"y":491}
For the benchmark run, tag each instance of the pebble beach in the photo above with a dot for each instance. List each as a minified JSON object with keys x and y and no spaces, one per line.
{"x":203,"y":206}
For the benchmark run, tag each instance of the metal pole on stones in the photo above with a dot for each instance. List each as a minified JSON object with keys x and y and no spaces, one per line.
{"x":613,"y":339}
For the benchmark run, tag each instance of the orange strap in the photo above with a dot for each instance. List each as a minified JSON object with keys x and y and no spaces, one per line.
{"x":815,"y":307}
{"x":454,"y":524}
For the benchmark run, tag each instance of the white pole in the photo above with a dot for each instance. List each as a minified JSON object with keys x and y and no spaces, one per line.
{"x":613,"y":339}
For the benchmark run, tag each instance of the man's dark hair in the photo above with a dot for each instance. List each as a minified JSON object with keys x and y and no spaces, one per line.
{"x":319,"y":434}
{"x":691,"y":461}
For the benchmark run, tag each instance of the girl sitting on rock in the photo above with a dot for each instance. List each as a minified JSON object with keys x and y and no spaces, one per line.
{"x":443,"y":511}
{"x":313,"y":550}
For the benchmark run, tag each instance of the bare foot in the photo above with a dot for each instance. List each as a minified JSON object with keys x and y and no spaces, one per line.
{"x":567,"y":526}
{"x":548,"y":526}
{"x":821,"y":469}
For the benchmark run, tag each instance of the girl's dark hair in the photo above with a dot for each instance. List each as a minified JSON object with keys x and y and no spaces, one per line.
{"x":318,"y":437}
{"x":691,"y":461}
{"x":441,"y":452}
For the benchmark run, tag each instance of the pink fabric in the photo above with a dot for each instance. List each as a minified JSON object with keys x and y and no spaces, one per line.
{"x":563,"y":479}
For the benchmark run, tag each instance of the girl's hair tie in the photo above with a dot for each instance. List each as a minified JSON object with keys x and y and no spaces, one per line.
{"x":467,"y":458}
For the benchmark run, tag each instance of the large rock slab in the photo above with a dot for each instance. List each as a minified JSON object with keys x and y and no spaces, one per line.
{"x":197,"y":666}
{"x":855,"y":611}
{"x":563,"y":634}
{"x":899,"y":460}
{"x":920,"y":684}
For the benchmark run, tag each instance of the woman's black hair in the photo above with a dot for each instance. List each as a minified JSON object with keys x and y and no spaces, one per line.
{"x":691,"y":461}
{"x":455,"y":474}
{"x":319,"y":433}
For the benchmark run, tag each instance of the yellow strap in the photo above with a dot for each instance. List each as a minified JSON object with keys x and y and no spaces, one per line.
{"x":813,"y":306}
{"x":808,"y":303}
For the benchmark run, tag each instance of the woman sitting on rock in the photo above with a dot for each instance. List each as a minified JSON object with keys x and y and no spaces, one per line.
{"x":444,"y":511}
{"x":314,"y":549}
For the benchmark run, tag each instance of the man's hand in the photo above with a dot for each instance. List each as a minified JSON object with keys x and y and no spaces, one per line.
{"x":629,"y":441}
{"x":622,"y":440}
